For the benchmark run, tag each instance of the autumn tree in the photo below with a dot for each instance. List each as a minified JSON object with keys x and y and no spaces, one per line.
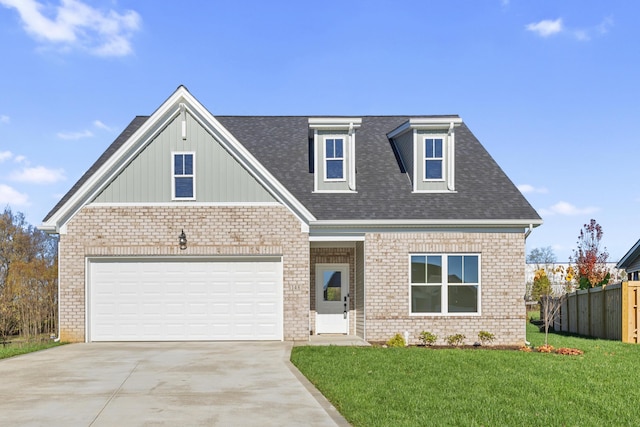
{"x":590,"y":261}
{"x":28,"y":278}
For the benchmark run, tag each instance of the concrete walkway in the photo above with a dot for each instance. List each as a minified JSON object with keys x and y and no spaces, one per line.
{"x":161,"y":384}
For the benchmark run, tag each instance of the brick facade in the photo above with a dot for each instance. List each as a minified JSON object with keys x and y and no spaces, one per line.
{"x":502,"y":286}
{"x":153,"y":231}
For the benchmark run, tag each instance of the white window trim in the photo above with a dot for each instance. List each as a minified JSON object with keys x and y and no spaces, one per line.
{"x":343,"y":158}
{"x":173,"y":175}
{"x":442,"y":159}
{"x":444,"y":302}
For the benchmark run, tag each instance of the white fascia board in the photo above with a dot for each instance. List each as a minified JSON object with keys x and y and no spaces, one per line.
{"x":141,"y":137}
{"x":435,"y":223}
{"x":425,"y":123}
{"x":336,"y":123}
{"x":113,"y":165}
{"x":629,"y":255}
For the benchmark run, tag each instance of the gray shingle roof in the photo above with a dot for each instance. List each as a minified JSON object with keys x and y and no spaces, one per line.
{"x":281,"y":144}
{"x":383,"y":191}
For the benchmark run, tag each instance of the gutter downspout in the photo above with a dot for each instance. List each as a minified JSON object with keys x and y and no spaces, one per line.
{"x":526,"y":234}
{"x":57,"y":339}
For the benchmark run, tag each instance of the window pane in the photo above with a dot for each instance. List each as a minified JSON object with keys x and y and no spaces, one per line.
{"x":184,"y":187}
{"x":455,"y":269}
{"x":437,"y":147}
{"x":178,"y":164}
{"x":329,"y":151}
{"x":433,"y":169}
{"x":339,"y":151}
{"x":428,"y":146}
{"x":334,"y":169}
{"x":434,"y":269}
{"x":418,"y":270}
{"x":188,"y":164}
{"x":463,"y":299}
{"x":426,"y":299}
{"x":470,"y":269}
{"x":332,"y":285}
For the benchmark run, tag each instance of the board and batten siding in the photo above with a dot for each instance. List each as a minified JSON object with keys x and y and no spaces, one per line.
{"x":219,"y":176}
{"x":634,"y":266}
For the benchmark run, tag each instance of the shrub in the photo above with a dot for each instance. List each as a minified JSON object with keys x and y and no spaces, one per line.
{"x":485,"y":337}
{"x":455,"y":340}
{"x":396,"y":341}
{"x":427,"y":338}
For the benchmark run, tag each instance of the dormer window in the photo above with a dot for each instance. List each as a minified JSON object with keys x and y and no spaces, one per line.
{"x":333,"y":153}
{"x":334,"y":159}
{"x":426,"y":148}
{"x":433,"y":158}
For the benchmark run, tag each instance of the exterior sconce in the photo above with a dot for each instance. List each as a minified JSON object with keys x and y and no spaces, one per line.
{"x":182,"y":241}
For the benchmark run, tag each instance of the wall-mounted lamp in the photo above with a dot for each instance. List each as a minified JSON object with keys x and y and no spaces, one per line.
{"x":182,"y":241}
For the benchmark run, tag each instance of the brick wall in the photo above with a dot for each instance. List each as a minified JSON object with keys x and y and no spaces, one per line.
{"x":149,"y":231}
{"x":502,"y":286}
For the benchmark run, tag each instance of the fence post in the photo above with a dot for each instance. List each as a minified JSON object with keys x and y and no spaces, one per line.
{"x":625,"y":311}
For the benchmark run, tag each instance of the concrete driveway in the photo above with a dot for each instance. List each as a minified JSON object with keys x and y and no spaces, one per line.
{"x":157,"y":384}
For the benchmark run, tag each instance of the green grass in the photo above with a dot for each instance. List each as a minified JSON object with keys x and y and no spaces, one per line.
{"x":423,"y":387}
{"x":16,"y":349}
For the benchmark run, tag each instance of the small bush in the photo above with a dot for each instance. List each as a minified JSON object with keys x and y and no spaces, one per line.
{"x":427,"y":338}
{"x":486,"y":338}
{"x":396,"y":341}
{"x":455,"y":340}
{"x":526,"y":349}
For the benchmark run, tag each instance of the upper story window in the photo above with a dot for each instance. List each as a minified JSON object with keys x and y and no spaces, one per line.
{"x":426,"y":148}
{"x":433,"y":158}
{"x":183,"y":176}
{"x":445,"y":284}
{"x":333,"y":153}
{"x":334,"y":158}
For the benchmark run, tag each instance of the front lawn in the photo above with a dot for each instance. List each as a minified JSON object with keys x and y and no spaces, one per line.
{"x":420,"y":387}
{"x":15,"y":349}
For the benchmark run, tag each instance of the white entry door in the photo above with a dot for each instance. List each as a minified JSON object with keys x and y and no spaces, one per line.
{"x":332,"y":298}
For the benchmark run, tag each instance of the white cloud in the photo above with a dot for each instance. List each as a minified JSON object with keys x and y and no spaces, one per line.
{"x":75,"y":135}
{"x":526,"y":188}
{"x":39,"y":175}
{"x":100,"y":125}
{"x":4,"y":119}
{"x":20,"y":159}
{"x":76,"y":24}
{"x":5,"y":155}
{"x":566,"y":208}
{"x":10,"y":196}
{"x":546,"y":27}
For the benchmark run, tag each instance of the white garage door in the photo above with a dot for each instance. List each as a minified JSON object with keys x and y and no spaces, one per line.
{"x":168,"y":300}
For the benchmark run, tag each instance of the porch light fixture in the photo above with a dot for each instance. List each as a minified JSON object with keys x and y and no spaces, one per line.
{"x":182,"y":241}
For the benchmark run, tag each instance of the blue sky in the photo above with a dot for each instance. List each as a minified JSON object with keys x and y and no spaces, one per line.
{"x":550,"y":88}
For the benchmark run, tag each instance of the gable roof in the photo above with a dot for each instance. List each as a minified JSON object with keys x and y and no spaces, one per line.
{"x":278,"y":151}
{"x":629,"y":257}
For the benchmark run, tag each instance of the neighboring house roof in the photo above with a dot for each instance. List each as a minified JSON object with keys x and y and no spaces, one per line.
{"x":281,"y":144}
{"x":630,"y":256}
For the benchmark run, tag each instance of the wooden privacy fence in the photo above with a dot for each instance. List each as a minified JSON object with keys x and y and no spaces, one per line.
{"x":609,"y":313}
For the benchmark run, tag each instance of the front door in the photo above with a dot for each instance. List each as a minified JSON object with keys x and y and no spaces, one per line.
{"x":332,"y":298}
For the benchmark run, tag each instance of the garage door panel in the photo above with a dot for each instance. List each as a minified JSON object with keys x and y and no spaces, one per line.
{"x":167,"y":300}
